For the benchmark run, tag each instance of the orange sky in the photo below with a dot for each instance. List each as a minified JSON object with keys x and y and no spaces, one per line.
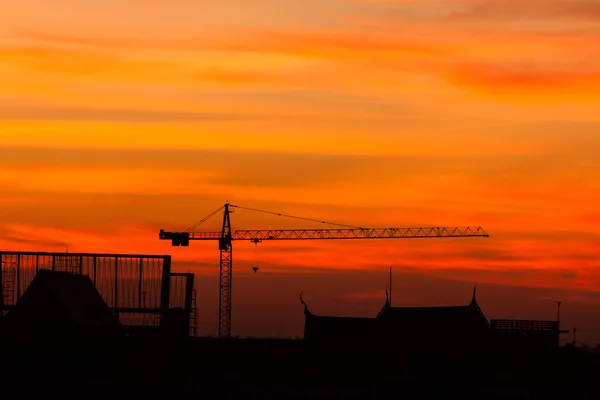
{"x":118,"y":118}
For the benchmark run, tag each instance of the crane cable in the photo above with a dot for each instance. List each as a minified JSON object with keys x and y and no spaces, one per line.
{"x":204,"y":219}
{"x":293,"y":216}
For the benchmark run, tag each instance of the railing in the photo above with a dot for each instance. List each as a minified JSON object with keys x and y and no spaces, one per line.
{"x":528,"y":325}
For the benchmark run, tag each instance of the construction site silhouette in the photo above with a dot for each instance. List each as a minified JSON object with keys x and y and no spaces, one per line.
{"x":85,"y":323}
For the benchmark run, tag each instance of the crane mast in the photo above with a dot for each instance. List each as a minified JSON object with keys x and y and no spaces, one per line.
{"x":226,"y":236}
{"x":225,"y":276}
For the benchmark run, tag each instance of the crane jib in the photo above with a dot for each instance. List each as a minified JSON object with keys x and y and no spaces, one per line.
{"x":183,"y":238}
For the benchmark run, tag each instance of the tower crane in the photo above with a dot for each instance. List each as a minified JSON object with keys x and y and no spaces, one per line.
{"x":226,"y":236}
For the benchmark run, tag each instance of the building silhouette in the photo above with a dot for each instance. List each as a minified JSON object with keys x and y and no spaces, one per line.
{"x":459,"y":328}
{"x":140,"y":290}
{"x":60,"y":304}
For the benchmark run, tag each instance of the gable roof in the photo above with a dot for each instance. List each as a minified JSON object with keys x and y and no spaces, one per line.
{"x":76,"y":294}
{"x":338,"y":328}
{"x":388,"y":312}
{"x":57,"y":300}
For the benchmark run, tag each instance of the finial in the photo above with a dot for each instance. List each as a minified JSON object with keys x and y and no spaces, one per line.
{"x":473,"y":300}
{"x":306,"y":311}
{"x":390,"y":285}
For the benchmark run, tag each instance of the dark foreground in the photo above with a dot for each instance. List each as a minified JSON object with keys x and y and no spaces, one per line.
{"x":257,"y":368}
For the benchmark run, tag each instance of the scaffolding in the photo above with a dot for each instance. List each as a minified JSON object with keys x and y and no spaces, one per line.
{"x":68,"y":263}
{"x":9,"y":278}
{"x":193,"y":315}
{"x":138,"y":288}
{"x":183,"y":295}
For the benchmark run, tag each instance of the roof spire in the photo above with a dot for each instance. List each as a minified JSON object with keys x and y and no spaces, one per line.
{"x":473,"y":300}
{"x":386,"y":305}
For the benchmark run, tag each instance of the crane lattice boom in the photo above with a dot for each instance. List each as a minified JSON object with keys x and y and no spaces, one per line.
{"x":226,"y":236}
{"x":305,"y":234}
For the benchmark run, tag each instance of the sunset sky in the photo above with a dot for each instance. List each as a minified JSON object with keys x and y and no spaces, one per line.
{"x":118,"y":118}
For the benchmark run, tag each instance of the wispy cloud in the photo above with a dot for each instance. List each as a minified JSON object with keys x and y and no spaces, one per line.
{"x":525,"y":61}
{"x":71,"y":114}
{"x":497,"y":11}
{"x":29,"y":238}
{"x":511,"y":10}
{"x":526,"y":77}
{"x":280,"y":168}
{"x":33,"y":241}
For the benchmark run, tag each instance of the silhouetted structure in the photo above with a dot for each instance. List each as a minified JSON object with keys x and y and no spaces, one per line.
{"x":183,"y":300}
{"x":226,"y":237}
{"x":448,"y":327}
{"x":456,"y":326}
{"x":60,"y":304}
{"x":417,"y":327}
{"x":526,"y":333}
{"x":139,"y":289}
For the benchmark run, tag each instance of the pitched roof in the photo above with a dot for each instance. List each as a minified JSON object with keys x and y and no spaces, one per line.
{"x":461,"y":324}
{"x":54,"y":297}
{"x":388,"y":312}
